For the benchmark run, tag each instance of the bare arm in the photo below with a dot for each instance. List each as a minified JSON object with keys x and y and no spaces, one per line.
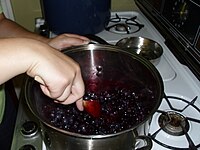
{"x":60,"y":74}
{"x":8,"y":28}
{"x":23,"y":51}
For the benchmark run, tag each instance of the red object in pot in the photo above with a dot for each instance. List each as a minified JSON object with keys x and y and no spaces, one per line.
{"x":93,"y":107}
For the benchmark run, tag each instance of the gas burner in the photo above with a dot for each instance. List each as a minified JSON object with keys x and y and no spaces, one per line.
{"x":176,"y":122}
{"x":124,"y":25}
{"x":173,"y":123}
{"x":122,"y":28}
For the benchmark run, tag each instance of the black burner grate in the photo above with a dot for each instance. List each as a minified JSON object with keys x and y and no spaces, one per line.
{"x":191,"y":103}
{"x":124,"y":25}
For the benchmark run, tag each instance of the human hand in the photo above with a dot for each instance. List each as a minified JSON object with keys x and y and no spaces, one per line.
{"x":59,"y":75}
{"x":67,"y":40}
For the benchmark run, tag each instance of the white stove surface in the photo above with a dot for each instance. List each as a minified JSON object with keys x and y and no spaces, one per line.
{"x":178,"y":81}
{"x":145,"y":32}
{"x":170,"y":69}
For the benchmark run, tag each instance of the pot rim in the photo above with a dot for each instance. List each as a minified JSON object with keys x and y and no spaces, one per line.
{"x":91,"y":47}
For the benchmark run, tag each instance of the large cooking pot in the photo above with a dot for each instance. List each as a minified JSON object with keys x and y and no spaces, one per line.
{"x":103,"y":67}
{"x":76,"y":16}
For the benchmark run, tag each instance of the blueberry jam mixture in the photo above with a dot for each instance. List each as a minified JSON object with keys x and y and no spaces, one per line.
{"x":121,"y":109}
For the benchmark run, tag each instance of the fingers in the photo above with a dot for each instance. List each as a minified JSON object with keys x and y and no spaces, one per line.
{"x":77,"y":36}
{"x":79,"y":104}
{"x":67,"y":91}
{"x":67,"y":40}
{"x":76,"y":94}
{"x":70,"y":95}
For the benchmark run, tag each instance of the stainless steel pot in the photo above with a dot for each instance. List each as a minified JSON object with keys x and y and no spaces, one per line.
{"x":55,"y":139}
{"x":119,"y":66}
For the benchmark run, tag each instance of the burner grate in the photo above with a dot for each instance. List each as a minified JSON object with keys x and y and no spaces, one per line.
{"x":179,"y":125}
{"x":123,"y":25}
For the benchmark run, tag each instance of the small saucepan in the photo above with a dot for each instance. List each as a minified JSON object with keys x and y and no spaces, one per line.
{"x":145,"y":47}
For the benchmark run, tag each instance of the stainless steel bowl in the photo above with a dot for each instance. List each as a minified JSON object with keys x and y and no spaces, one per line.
{"x":145,"y":47}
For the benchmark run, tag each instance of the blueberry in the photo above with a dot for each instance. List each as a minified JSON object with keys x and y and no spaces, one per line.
{"x":122,"y":108}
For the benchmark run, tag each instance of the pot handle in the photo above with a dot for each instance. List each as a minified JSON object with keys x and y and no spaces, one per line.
{"x":96,"y":39}
{"x":143,"y":142}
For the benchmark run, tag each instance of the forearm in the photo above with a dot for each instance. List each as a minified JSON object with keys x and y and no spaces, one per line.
{"x":9,"y":62}
{"x":16,"y":56}
{"x":60,"y":75}
{"x":8,"y":28}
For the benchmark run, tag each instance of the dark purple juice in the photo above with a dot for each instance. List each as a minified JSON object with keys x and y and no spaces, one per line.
{"x":122,"y":108}
{"x":127,"y":89}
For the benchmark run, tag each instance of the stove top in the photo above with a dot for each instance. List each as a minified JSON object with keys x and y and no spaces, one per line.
{"x":174,"y":124}
{"x":136,"y":28}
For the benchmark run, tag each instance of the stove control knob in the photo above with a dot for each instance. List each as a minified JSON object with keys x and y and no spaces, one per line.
{"x":29,"y":128}
{"x":27,"y":147}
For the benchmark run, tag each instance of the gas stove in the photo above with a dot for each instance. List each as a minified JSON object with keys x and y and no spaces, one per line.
{"x":176,"y":122}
